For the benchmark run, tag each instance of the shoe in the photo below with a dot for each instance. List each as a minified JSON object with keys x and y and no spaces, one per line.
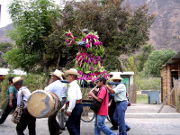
{"x":114,"y":128}
{"x":128,"y":129}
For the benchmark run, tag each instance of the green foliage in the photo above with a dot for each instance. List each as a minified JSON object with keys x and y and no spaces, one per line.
{"x":18,"y":57}
{"x":155,"y":61}
{"x":121,"y":31}
{"x":32,"y":81}
{"x":142,"y":57}
{"x":142,"y":99}
{"x":131,"y":65}
{"x":40,"y":27}
{"x":4,"y":47}
{"x":151,"y":83}
{"x":33,"y":22}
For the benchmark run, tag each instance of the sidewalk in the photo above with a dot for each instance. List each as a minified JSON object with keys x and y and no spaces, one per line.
{"x":150,"y":111}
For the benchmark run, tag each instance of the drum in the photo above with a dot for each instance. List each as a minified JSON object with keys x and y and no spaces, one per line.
{"x":42,"y":104}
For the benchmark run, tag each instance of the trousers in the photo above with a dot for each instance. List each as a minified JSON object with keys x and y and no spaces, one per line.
{"x":111,"y":111}
{"x":119,"y":117}
{"x":8,"y":109}
{"x":26,"y":121}
{"x":74,"y":121}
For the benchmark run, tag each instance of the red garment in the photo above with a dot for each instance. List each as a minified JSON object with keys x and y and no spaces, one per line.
{"x":103,"y":94}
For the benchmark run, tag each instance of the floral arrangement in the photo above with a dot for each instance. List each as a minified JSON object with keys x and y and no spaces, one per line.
{"x":89,"y":56}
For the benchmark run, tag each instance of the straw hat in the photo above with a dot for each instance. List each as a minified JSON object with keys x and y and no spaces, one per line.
{"x":58,"y":73}
{"x":116,"y":77}
{"x":17,"y":79}
{"x":71,"y":71}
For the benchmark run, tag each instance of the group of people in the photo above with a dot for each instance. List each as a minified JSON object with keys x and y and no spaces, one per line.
{"x":117,"y":108}
{"x":70,"y":98}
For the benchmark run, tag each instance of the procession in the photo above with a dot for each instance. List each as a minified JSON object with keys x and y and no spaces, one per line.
{"x":89,"y":67}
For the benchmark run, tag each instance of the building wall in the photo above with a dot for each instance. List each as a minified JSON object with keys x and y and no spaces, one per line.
{"x":168,"y":82}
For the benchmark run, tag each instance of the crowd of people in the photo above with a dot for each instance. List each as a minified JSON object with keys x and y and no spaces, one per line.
{"x":70,"y":98}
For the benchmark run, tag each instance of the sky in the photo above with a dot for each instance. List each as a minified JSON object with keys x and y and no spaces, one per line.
{"x":5,"y":17}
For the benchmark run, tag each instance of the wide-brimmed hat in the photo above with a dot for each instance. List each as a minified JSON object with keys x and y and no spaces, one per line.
{"x":58,"y":74}
{"x":71,"y":71}
{"x":17,"y":79}
{"x":116,"y":77}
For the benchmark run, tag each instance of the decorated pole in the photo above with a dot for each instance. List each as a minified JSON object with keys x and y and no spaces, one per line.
{"x":89,"y":57}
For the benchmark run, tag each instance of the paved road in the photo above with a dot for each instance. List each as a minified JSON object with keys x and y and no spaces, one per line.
{"x":139,"y":126}
{"x":142,"y":119}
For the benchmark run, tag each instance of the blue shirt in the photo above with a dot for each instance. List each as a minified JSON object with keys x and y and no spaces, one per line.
{"x":58,"y":88}
{"x":120,"y":93}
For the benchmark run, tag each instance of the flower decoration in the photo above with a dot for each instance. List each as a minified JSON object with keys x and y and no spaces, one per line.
{"x":88,"y":59}
{"x":70,"y":38}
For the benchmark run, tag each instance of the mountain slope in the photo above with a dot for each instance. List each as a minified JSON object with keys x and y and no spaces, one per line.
{"x":165,"y":31}
{"x":3,"y":33}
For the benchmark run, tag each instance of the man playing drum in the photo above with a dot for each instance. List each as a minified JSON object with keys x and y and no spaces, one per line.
{"x":75,"y":107}
{"x":59,"y":89}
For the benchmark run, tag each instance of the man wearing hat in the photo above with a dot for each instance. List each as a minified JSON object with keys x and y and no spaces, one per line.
{"x":59,"y":89}
{"x":121,"y":100}
{"x":22,"y":98}
{"x":12,"y":101}
{"x":75,"y":107}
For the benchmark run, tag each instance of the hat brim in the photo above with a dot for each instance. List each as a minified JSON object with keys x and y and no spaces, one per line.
{"x":69,"y":72}
{"x":115,"y":78}
{"x":18,"y":80}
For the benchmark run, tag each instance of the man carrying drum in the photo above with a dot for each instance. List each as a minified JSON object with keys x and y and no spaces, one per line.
{"x":26,"y":119}
{"x":75,"y":107}
{"x":59,"y":89}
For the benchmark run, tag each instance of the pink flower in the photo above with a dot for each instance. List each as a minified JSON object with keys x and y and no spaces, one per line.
{"x":98,"y":43}
{"x":88,"y":46}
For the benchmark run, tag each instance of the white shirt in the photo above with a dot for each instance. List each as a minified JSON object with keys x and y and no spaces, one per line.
{"x":23,"y":95}
{"x":120,"y":92}
{"x":74,"y":93}
{"x":58,"y":88}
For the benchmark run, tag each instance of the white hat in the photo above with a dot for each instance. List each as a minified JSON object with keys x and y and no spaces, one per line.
{"x":116,"y":77}
{"x":71,"y":71}
{"x":57,"y":73}
{"x":17,"y":79}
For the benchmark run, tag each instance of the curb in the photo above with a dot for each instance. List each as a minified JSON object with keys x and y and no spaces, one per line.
{"x":153,"y":115}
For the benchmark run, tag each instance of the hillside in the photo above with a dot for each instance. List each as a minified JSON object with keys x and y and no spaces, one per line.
{"x":165,"y":31}
{"x":3,"y":33}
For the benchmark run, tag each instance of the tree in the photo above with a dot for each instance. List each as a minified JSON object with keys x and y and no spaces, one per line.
{"x":121,"y":31}
{"x":40,"y":27}
{"x":142,"y":56}
{"x":33,"y":22}
{"x":4,"y":47}
{"x":156,"y":60}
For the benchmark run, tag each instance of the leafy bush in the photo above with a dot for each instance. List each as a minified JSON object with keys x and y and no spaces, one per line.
{"x":152,"y":83}
{"x":156,"y":60}
{"x":32,"y":81}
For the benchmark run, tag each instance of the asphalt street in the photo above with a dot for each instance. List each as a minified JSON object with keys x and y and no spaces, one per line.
{"x":142,"y":119}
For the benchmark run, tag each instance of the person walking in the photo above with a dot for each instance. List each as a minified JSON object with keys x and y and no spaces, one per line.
{"x":59,"y":89}
{"x":121,"y":104}
{"x":75,"y":107}
{"x":103,"y":98}
{"x":11,"y":101}
{"x":111,"y":111}
{"x":22,"y":98}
